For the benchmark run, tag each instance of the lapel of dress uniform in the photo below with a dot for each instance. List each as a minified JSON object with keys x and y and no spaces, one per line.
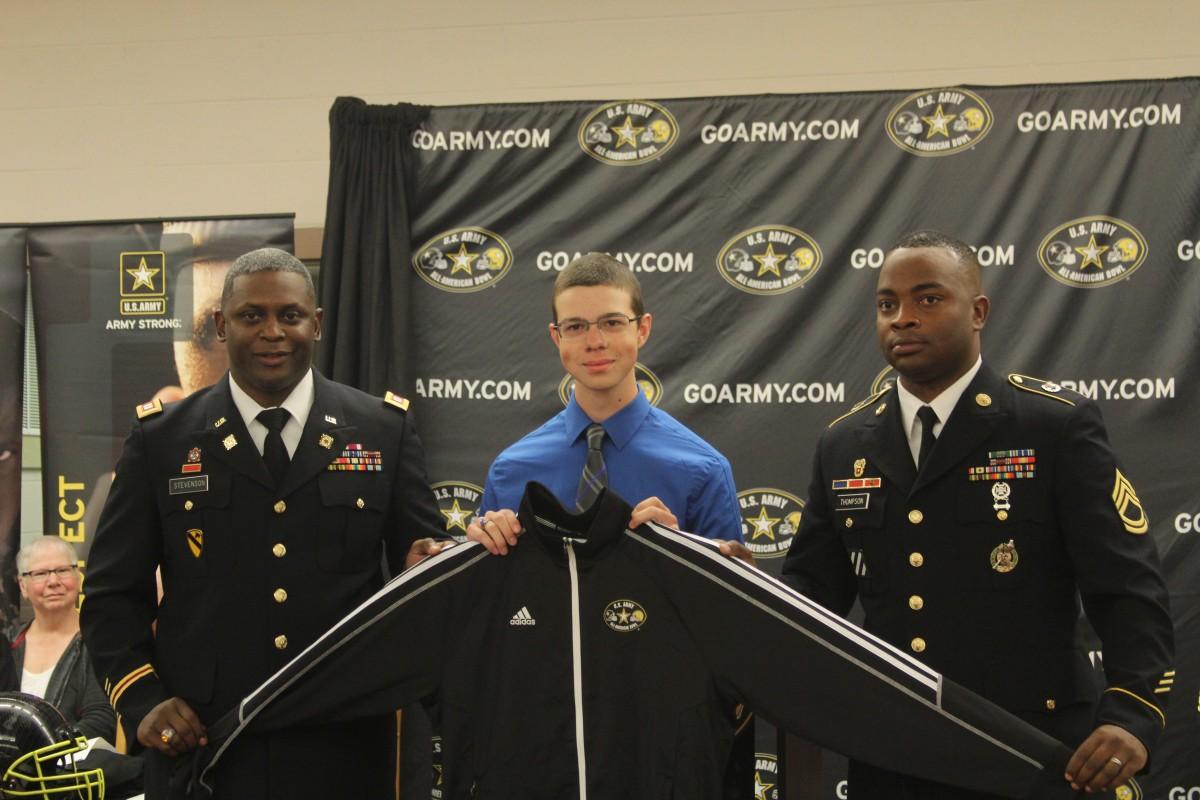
{"x":980,"y":409}
{"x":885,"y":445}
{"x":225,"y":437}
{"x":322,"y":440}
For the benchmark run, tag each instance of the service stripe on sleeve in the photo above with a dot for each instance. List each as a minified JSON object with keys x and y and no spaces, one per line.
{"x":130,"y":679}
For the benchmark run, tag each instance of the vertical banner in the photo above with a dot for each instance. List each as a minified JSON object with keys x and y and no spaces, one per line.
{"x":12,"y":364}
{"x":124,"y":316}
{"x":757,"y":226}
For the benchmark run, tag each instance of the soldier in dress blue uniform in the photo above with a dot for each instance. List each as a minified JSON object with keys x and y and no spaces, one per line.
{"x":260,"y":550}
{"x":971,"y":513}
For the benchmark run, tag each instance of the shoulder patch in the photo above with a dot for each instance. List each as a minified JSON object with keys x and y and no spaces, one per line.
{"x":861,"y":404}
{"x":1045,"y":388}
{"x":396,"y":401}
{"x":149,"y":409}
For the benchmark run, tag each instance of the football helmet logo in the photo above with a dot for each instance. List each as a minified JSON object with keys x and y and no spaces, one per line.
{"x":37,"y":753}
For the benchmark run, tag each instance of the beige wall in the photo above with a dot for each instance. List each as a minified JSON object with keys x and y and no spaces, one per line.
{"x":123,"y":108}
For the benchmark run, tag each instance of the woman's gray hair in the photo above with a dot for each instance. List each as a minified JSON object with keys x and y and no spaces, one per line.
{"x":25,"y":554}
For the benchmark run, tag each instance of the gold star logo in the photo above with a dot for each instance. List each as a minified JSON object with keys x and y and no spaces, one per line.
{"x":769,"y":262}
{"x":1091,"y":253}
{"x":763,"y":525}
{"x":760,"y":788}
{"x":143,"y":276}
{"x":627,"y":133}
{"x":623,"y":616}
{"x":456,"y":516}
{"x":939,"y":122}
{"x":462,"y":260}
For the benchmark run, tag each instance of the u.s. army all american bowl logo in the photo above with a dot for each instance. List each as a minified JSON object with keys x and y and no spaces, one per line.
{"x":647,"y":381}
{"x":769,"y":259}
{"x":766,"y":777}
{"x":770,"y":519}
{"x":628,"y":132}
{"x":459,"y":503}
{"x":1092,"y":251}
{"x":939,"y":122}
{"x":463,"y":260}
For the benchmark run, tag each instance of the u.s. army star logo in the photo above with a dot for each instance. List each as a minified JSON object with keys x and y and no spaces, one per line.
{"x":143,"y":283}
{"x":770,"y":519}
{"x":769,"y":259}
{"x":624,"y":616}
{"x":628,"y":132}
{"x":1129,"y":508}
{"x":1090,"y":252}
{"x":939,"y":122}
{"x":463,"y":260}
{"x":459,"y":503}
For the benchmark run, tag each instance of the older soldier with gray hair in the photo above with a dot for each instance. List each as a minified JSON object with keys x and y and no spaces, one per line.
{"x":271,"y":500}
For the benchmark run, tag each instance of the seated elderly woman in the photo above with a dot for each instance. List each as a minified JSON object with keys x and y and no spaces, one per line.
{"x":48,"y":654}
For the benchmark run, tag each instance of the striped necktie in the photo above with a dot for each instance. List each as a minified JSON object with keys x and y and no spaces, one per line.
{"x":595,"y":476}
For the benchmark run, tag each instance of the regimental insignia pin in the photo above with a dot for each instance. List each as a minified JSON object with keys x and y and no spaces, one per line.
{"x":1000,"y":502}
{"x":331,"y":420}
{"x":983,"y":400}
{"x":859,"y":465}
{"x":879,"y":409}
{"x":325,"y":441}
{"x":193,"y":455}
{"x":1129,"y":508}
{"x":1004,"y":557}
{"x":229,"y":441}
{"x":195,"y":541}
{"x":219,"y":422}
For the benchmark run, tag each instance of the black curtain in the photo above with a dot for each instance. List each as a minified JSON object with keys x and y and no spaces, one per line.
{"x":365,"y":264}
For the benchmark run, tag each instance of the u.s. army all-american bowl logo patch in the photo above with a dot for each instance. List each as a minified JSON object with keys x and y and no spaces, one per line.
{"x":647,"y":381}
{"x":766,"y":777}
{"x":628,"y":132}
{"x":463,"y":259}
{"x":624,"y":616}
{"x":459,"y":503}
{"x":769,"y":259}
{"x":939,"y":122}
{"x":1090,"y":252}
{"x":770,"y":519}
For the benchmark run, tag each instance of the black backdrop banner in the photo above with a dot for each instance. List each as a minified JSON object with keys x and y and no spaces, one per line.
{"x":757,"y":226}
{"x":12,"y":365}
{"x":122,"y":316}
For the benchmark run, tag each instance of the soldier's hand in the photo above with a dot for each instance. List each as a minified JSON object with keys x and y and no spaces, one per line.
{"x":1106,"y":759}
{"x":735,"y":549}
{"x":171,"y":727}
{"x":422,"y":549}
{"x":495,"y":530}
{"x":653,"y":509}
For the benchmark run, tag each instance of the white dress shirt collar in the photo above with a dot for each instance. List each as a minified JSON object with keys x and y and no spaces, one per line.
{"x":943,"y":405}
{"x":298,"y":404}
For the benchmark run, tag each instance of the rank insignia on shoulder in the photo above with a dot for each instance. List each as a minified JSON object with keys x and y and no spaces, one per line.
{"x":1129,"y":508}
{"x":1039,"y":386}
{"x":149,"y":409}
{"x":396,"y":400}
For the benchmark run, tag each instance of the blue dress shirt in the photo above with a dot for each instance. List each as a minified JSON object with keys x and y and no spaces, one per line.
{"x":647,"y":452}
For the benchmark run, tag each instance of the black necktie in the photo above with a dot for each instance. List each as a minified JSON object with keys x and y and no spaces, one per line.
{"x":595,"y":475}
{"x":928,"y":419}
{"x":274,"y":450}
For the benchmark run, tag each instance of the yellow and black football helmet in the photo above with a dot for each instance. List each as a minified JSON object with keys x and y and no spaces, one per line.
{"x":37,"y":753}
